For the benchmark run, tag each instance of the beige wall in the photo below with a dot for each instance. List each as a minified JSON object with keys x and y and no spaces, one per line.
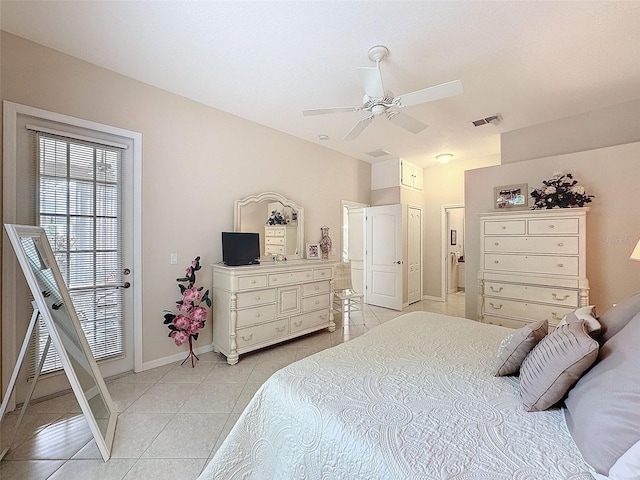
{"x":613,"y":222}
{"x":443,"y":185}
{"x":605,"y":127}
{"x":196,"y":161}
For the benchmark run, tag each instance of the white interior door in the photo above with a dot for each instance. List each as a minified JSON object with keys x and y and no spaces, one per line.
{"x":384,"y":256}
{"x":414,"y":254}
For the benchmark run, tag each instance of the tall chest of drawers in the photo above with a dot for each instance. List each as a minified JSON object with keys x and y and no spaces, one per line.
{"x":259,"y":305}
{"x":280,"y":240}
{"x":533,"y":266}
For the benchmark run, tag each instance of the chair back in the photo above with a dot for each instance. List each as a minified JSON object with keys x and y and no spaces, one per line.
{"x":342,"y":276}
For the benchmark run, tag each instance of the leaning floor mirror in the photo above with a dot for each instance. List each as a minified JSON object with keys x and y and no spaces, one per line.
{"x":53,"y":303}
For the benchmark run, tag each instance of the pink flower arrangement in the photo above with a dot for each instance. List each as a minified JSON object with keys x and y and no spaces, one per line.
{"x":186,"y":325}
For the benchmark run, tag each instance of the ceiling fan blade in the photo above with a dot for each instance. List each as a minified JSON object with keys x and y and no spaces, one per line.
{"x":323,"y":111}
{"x":406,"y":122}
{"x":429,"y":94}
{"x":371,"y":81}
{"x":358,"y":128}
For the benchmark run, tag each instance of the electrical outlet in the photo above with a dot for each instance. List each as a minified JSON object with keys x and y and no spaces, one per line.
{"x":173,"y":259}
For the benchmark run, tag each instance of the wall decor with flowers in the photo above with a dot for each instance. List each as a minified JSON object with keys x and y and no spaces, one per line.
{"x":185,"y":326}
{"x":560,"y":191}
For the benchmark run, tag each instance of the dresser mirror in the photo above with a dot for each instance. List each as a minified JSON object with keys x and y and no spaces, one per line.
{"x":278,"y":220}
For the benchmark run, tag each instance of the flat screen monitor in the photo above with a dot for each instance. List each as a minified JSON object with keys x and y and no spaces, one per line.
{"x":240,"y":248}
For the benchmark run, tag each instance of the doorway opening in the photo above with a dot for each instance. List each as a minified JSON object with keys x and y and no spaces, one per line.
{"x":453,"y":253}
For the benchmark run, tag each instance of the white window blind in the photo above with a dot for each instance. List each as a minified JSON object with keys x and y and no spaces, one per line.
{"x":79,"y":206}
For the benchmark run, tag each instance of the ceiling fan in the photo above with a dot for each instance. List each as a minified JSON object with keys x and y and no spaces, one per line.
{"x":377,"y":101}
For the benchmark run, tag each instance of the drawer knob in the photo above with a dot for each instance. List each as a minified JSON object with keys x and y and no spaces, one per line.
{"x":257,"y":315}
{"x":561,"y":244}
{"x":497,"y":290}
{"x":493,"y":306}
{"x":246,"y":339}
{"x":496,"y":261}
{"x":504,"y":228}
{"x":317,"y":287}
{"x":257,"y":297}
{"x":561,"y":265}
{"x":555,"y":316}
{"x":552,"y":226}
{"x":253,"y":282}
{"x":297,"y":324}
{"x":555,"y":297}
{"x":280,"y":329}
{"x":496,"y":244}
{"x":322,"y":317}
{"x":317,"y":302}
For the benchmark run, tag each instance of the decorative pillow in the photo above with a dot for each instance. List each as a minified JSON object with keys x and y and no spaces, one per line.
{"x":603,"y":414}
{"x":515,"y":347}
{"x":586,"y":314}
{"x":614,"y":319}
{"x":555,"y":364}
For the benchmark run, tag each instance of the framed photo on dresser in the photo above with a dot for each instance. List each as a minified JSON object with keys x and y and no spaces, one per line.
{"x":512,"y":197}
{"x":313,"y":251}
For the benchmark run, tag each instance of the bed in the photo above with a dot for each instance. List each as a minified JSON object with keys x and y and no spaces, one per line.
{"x":414,"y":398}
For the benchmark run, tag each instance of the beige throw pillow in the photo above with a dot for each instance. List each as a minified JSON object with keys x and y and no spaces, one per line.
{"x":515,"y":347}
{"x":586,"y":314}
{"x":555,"y":364}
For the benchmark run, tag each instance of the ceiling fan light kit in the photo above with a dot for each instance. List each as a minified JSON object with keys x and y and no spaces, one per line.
{"x":380,"y":102}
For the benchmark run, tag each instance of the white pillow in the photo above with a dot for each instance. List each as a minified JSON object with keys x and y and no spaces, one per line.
{"x":626,"y":468}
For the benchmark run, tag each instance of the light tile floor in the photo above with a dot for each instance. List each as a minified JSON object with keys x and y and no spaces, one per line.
{"x":171,"y":419}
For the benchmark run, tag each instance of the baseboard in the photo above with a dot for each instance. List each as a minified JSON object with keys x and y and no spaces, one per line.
{"x":177,"y":357}
{"x":435,"y":299}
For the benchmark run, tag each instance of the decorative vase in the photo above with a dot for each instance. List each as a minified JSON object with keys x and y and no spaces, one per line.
{"x":325,"y":242}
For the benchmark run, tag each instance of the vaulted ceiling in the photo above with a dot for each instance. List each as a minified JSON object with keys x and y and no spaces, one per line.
{"x":266,"y":61}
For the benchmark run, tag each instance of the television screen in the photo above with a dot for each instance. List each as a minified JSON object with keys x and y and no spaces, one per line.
{"x":240,"y":248}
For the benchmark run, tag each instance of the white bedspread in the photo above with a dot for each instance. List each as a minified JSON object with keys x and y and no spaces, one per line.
{"x":414,"y":398}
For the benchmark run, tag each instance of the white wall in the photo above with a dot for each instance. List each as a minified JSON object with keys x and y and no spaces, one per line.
{"x":196,"y":161}
{"x":613,"y":222}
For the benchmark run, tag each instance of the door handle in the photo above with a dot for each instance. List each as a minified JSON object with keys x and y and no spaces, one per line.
{"x":399,"y":262}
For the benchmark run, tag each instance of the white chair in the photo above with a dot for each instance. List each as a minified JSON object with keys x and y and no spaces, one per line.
{"x":345,"y":299}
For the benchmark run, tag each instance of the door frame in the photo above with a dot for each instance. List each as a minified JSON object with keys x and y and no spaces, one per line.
{"x":344,"y":206}
{"x":443,"y":248}
{"x":421,"y":243}
{"x":10,"y":269}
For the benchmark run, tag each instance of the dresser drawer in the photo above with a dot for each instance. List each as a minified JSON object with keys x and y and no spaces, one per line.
{"x":320,"y":273}
{"x":505,"y":322}
{"x":309,"y":320}
{"x":525,"y":310}
{"x":557,"y":226}
{"x":557,"y":296}
{"x":549,"y":264}
{"x":315,"y":303}
{"x":275,"y":249}
{"x":252,"y":281}
{"x":251,"y":316}
{"x":315,"y":288}
{"x":558,"y":245}
{"x":264,"y":332}
{"x":274,"y":241}
{"x":290,"y":277}
{"x":261,"y":297}
{"x":274,"y":231}
{"x":505,"y":227}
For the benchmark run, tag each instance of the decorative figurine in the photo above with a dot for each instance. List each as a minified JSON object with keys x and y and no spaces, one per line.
{"x":325,"y":242}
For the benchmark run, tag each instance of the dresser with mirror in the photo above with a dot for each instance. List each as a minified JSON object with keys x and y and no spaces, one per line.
{"x":255,"y":306}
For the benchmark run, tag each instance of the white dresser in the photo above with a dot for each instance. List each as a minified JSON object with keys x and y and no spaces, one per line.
{"x":533,"y":266}
{"x":259,"y":305}
{"x":280,"y":239}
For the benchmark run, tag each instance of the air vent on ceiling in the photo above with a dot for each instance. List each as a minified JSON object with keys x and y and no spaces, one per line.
{"x":378,"y":153}
{"x":493,"y":119}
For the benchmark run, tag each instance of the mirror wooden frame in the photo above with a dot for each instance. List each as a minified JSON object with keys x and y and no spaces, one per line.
{"x":61,"y":320}
{"x":273,"y":197}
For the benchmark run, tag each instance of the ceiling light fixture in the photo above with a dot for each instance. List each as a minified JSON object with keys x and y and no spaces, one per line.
{"x":323,"y":137}
{"x":444,"y":157}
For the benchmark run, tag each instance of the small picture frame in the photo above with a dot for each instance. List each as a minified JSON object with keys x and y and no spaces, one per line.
{"x":313,"y":251}
{"x":454,"y":237}
{"x":511,"y":197}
